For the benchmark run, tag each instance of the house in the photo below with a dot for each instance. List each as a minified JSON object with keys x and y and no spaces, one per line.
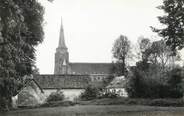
{"x":30,"y":95}
{"x":71,"y":85}
{"x":117,"y":85}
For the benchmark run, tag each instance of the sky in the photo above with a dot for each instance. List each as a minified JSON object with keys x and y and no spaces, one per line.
{"x":92,"y":26}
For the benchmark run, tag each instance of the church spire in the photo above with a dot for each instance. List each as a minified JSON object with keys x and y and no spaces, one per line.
{"x":61,"y":37}
{"x":61,"y":55}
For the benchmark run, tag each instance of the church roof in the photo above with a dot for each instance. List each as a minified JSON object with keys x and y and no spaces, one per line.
{"x":61,"y":38}
{"x":91,"y":68}
{"x":62,"y":81}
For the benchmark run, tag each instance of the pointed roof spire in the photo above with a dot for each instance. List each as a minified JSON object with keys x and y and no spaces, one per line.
{"x":61,"y":37}
{"x":64,"y":62}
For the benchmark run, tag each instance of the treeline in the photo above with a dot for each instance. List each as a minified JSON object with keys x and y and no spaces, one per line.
{"x":156,"y":75}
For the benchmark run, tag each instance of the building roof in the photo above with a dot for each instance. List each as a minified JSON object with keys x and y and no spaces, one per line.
{"x":61,"y":38}
{"x":62,"y":81}
{"x":29,"y":82}
{"x":34,"y":81}
{"x":117,"y":82}
{"x":91,"y":68}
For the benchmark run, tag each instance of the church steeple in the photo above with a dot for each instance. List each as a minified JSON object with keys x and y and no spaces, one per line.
{"x":61,"y":37}
{"x":61,"y":55}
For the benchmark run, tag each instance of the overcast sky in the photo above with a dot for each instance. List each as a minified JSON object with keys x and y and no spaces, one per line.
{"x":92,"y":26}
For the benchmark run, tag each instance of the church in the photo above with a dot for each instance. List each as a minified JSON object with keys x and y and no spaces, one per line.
{"x":64,"y":66}
{"x":72,"y":78}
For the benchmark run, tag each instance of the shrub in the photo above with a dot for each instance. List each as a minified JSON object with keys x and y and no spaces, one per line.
{"x":3,"y":104}
{"x":90,"y":93}
{"x":153,"y":84}
{"x":175,"y":81}
{"x":55,"y":96}
{"x":109,"y":94}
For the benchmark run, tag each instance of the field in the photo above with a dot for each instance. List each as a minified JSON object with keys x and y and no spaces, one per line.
{"x":101,"y":110}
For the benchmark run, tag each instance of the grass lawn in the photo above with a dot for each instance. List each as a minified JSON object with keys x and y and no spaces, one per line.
{"x":100,"y":110}
{"x":130,"y":101}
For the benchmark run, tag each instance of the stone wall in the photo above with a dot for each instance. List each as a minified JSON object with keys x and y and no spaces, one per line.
{"x":69,"y":81}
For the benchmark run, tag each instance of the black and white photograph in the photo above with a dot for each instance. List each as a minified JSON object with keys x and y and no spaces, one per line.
{"x":91,"y":57}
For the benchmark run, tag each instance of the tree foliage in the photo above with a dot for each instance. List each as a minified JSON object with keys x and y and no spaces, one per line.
{"x":144,"y":45}
{"x":154,"y":76}
{"x":20,"y":31}
{"x":121,"y":51}
{"x":158,"y":53}
{"x":90,"y":93}
{"x":151,"y":83}
{"x":173,"y":21}
{"x":55,"y":96}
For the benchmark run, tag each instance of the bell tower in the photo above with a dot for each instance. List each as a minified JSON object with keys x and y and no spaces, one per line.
{"x":61,"y":55}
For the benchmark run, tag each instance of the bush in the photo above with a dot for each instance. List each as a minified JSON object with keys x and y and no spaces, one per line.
{"x":90,"y":93}
{"x":55,"y":96}
{"x":151,"y":83}
{"x":109,"y":95}
{"x":3,"y":104}
{"x":176,"y":84}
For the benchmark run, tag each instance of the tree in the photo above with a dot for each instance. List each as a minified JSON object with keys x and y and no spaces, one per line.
{"x":121,"y":51}
{"x":20,"y":31}
{"x":149,"y":83}
{"x":144,"y":45}
{"x":157,"y":53}
{"x":173,"y":32}
{"x":161,"y":55}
